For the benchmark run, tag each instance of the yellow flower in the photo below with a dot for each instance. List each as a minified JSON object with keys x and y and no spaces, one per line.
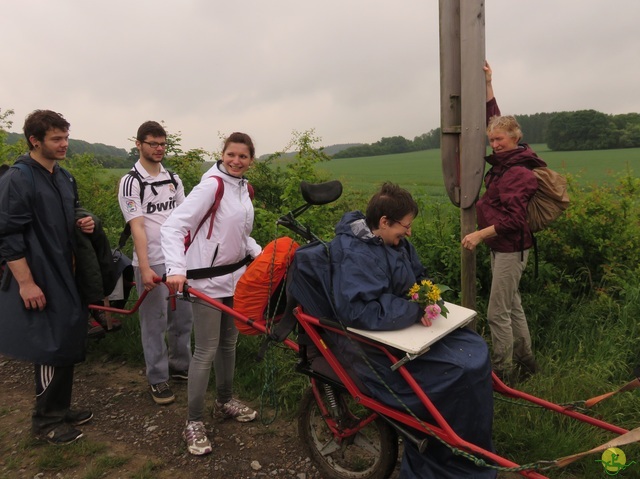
{"x":433,"y":295}
{"x":426,"y":293}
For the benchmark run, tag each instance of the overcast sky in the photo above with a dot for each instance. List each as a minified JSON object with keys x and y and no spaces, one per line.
{"x":354,"y":70}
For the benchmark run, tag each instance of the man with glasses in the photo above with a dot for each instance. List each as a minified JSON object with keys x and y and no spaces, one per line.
{"x":147,"y":195}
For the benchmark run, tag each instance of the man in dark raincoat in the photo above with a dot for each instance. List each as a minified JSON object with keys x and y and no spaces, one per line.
{"x":43,"y":320}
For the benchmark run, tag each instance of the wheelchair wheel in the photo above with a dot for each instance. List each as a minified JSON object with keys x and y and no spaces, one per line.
{"x":369,"y":452}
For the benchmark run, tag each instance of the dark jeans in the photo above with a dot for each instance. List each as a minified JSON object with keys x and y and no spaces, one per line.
{"x":53,"y":396}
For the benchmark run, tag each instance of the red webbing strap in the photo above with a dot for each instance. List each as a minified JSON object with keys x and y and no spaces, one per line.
{"x":211,"y":212}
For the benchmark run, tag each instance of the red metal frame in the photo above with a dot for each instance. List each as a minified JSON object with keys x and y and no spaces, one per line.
{"x":339,"y":432}
{"x":136,"y":306}
{"x":441,"y":428}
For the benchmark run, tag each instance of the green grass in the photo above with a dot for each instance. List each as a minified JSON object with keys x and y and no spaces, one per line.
{"x":421,"y":171}
{"x":102,"y":465}
{"x":592,"y":166}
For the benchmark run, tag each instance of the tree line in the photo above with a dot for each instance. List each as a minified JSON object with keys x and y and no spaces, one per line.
{"x":560,"y":131}
{"x":104,"y":155}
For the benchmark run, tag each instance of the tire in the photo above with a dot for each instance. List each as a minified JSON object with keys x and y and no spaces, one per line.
{"x":370,"y":453}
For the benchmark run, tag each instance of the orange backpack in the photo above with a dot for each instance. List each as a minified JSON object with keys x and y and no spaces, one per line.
{"x":262,"y":284}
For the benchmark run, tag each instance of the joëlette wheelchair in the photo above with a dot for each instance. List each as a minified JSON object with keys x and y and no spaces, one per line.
{"x":349,"y":434}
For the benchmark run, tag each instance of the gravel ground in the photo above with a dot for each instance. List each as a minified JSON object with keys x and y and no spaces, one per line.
{"x":127,"y":423}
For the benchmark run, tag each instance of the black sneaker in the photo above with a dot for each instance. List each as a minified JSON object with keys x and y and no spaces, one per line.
{"x":60,"y":435}
{"x":161,"y":393}
{"x":77,"y":418}
{"x":179,"y":375}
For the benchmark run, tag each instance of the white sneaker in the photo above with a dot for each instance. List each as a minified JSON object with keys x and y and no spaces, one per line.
{"x":195,"y":435}
{"x":236,"y":410}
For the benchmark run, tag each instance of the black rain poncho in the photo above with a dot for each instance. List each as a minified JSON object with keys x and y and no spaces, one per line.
{"x":37,"y":223}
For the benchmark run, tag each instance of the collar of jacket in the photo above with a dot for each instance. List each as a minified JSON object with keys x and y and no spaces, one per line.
{"x":241,"y":181}
{"x":521,"y":156}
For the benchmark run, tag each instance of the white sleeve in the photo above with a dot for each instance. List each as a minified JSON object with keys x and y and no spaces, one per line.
{"x":253,"y":248}
{"x":129,"y":197}
{"x":184,"y":219}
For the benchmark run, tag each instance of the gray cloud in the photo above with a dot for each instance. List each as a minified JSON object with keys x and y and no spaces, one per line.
{"x":354,"y":70}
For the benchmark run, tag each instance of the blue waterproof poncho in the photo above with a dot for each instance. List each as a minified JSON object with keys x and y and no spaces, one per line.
{"x":364,"y":284}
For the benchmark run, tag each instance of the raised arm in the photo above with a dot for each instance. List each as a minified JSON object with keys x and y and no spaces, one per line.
{"x":492,"y":104}
{"x":487,"y":79}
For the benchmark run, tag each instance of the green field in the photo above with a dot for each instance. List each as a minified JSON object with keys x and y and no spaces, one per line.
{"x":421,"y":171}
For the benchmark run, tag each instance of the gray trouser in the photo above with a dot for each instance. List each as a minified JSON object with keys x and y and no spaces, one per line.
{"x":160,"y":326}
{"x":216,"y":336}
{"x":509,"y":330}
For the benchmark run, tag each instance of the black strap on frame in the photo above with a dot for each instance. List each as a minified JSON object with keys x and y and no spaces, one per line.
{"x":213,"y":271}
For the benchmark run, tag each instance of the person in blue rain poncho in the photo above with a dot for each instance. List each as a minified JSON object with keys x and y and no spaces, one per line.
{"x":362,"y":279}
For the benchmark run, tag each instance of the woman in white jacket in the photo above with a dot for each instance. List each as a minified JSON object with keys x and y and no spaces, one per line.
{"x":228,"y":243}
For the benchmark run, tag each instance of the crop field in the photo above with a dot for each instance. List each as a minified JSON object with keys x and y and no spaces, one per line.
{"x":421,"y":171}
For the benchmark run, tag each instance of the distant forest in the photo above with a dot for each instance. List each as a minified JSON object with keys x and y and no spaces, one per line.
{"x":107,"y":156}
{"x":561,"y":131}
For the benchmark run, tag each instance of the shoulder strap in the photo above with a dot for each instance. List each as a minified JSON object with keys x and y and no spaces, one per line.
{"x":125,"y":234}
{"x":210,"y":213}
{"x":26,"y":169}
{"x":126,"y":231}
{"x":172,"y":177}
{"x":72,"y":180}
{"x":251,"y":192}
{"x":134,"y":174}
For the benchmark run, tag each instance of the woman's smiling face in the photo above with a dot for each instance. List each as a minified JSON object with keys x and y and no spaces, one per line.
{"x":392,"y":232}
{"x":237,"y":159}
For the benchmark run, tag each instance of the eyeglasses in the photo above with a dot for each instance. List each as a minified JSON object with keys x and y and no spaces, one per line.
{"x":407,"y":227}
{"x":154,"y":144}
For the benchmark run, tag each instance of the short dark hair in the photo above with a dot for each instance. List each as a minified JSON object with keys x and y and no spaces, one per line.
{"x":152,"y":128}
{"x":243,"y":138}
{"x":38,"y":122}
{"x":391,"y":201}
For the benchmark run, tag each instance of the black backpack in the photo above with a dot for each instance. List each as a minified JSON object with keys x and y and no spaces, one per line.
{"x":126,"y":231}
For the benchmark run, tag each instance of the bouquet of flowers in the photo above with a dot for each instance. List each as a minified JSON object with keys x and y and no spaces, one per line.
{"x":427,"y":295}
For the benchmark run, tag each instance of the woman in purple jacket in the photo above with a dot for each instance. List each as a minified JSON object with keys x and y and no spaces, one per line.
{"x":502,"y":225}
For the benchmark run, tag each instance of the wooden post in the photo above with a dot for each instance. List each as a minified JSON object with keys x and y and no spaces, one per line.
{"x":462,"y":108}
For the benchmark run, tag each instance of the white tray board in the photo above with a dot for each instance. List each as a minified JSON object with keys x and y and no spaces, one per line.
{"x":417,"y":338}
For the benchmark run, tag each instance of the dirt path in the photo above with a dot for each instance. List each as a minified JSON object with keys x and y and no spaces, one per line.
{"x":132,"y":437}
{"x":130,"y":430}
